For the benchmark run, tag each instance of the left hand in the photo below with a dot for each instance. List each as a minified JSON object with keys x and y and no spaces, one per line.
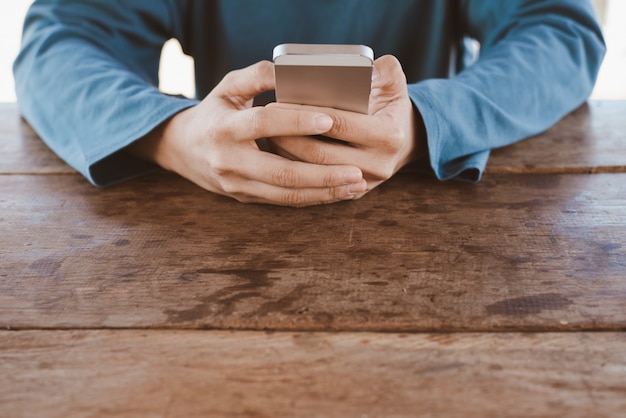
{"x":379,"y":143}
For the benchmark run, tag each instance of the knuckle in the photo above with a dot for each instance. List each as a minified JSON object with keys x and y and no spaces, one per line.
{"x":263,"y":67}
{"x":220,"y":131}
{"x":330,"y":180}
{"x":395,"y":139}
{"x":303,"y":124}
{"x":229,"y":187}
{"x":258,"y":120}
{"x":388,"y":172}
{"x":336,"y":193}
{"x":294,"y":198}
{"x":262,"y":70}
{"x":340,"y":126}
{"x":244,"y":198}
{"x":220,"y":169}
{"x":390,"y":142}
{"x":285,"y":177}
{"x":223,"y":179}
{"x":383,"y":172}
{"x":219,"y":164}
{"x":219,"y":128}
{"x":229,"y":77}
{"x":320,"y":156}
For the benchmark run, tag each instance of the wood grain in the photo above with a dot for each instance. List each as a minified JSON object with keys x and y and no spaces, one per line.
{"x":536,"y":246}
{"x":21,"y":149}
{"x":252,"y":374}
{"x":591,"y":139}
{"x":514,"y":252}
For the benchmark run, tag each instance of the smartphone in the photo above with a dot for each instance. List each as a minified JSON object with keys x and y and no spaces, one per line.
{"x":326,"y":75}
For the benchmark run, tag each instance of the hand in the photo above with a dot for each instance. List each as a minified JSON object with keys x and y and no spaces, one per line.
{"x":214,"y":145}
{"x":379,"y":143}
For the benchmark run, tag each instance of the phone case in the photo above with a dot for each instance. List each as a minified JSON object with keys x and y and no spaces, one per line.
{"x":337,"y":76}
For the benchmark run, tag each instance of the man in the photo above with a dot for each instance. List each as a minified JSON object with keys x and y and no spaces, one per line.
{"x":87,"y":73}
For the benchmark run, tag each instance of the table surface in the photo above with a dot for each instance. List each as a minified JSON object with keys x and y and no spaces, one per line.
{"x":155,"y":298}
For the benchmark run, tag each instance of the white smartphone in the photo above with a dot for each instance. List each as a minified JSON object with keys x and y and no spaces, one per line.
{"x":326,"y":75}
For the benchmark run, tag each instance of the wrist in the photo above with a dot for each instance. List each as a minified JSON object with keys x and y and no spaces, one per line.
{"x":155,"y":147}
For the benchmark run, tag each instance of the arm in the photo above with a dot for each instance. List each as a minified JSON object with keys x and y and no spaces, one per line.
{"x":538,"y":61}
{"x":214,"y":145}
{"x":86,"y":79}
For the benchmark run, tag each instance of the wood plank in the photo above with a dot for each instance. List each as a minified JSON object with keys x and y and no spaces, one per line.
{"x":21,"y":149}
{"x":514,"y":252}
{"x":591,"y":139}
{"x":252,"y":374}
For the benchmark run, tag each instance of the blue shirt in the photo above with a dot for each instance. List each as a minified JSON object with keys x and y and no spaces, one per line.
{"x":87,"y":74}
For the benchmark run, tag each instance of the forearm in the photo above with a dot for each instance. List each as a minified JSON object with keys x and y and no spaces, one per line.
{"x":532,"y":70}
{"x":90,"y":94}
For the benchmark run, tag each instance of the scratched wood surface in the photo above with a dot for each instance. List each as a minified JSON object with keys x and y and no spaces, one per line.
{"x":588,"y":140}
{"x":527,"y":249}
{"x":514,"y":252}
{"x":226,"y":374}
{"x":21,"y":149}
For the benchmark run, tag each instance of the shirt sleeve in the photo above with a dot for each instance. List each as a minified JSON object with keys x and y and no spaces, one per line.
{"x":538,"y":61}
{"x":87,"y":75}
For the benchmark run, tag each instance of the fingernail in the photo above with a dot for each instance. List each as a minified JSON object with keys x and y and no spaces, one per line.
{"x":351,"y":177}
{"x":357,"y":188}
{"x":323,"y":123}
{"x":375,"y":74}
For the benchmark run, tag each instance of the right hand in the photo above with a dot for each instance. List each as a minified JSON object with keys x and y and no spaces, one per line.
{"x":213,"y":144}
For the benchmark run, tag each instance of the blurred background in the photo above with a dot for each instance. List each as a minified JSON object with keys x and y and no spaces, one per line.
{"x":176,"y":73}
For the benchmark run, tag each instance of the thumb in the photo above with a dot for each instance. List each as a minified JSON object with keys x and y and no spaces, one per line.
{"x":388,"y":75}
{"x":248,"y":82}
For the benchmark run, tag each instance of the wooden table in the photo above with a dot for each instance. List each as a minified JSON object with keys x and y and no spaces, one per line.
{"x":425,"y":298}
